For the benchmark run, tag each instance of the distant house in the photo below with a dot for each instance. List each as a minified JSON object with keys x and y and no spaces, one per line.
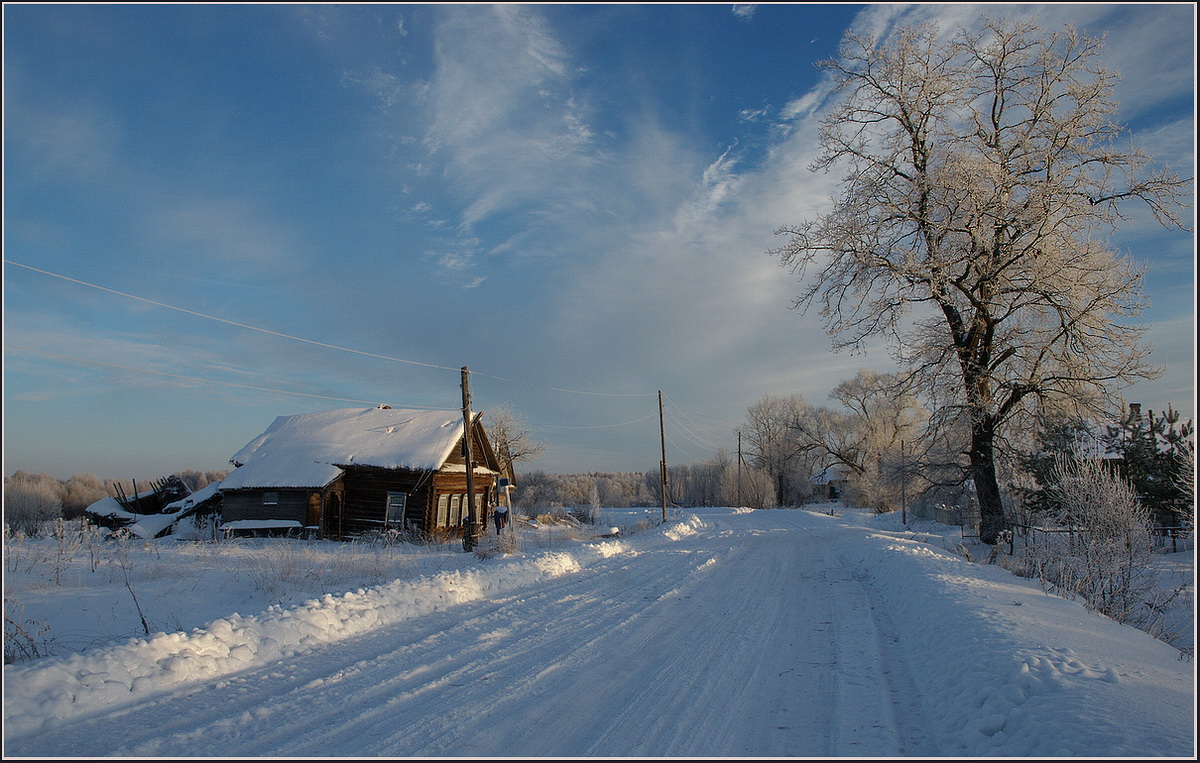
{"x":341,"y":473}
{"x":831,"y":482}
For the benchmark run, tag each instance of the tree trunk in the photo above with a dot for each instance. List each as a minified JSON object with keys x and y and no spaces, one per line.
{"x":987,"y":487}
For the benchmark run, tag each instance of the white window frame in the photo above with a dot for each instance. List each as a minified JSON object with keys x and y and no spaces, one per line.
{"x":395,"y":498}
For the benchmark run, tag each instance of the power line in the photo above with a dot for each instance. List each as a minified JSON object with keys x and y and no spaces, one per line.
{"x":681,"y":450}
{"x":226,"y":320}
{"x":308,"y":341}
{"x":691,"y":436}
{"x":267,"y":389}
{"x":190,"y":378}
{"x":603,"y":426}
{"x":702,"y":442}
{"x":703,"y":415}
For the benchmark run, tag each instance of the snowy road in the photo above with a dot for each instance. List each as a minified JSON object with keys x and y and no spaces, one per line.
{"x":768,"y":633}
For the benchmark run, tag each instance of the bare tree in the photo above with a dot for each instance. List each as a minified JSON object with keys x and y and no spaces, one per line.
{"x":881,"y":414}
{"x":511,"y":438}
{"x":983,"y":171}
{"x":772,"y":444}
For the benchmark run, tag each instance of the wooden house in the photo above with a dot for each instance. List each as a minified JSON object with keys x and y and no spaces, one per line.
{"x":353,"y":471}
{"x":831,"y":483}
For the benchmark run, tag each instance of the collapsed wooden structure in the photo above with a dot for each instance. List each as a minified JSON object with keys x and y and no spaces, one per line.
{"x":153,"y":512}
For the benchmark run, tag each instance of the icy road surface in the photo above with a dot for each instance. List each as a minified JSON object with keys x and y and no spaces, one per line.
{"x":731,"y":633}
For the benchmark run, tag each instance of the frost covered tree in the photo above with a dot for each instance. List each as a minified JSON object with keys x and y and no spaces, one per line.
{"x":511,"y":438}
{"x":30,"y":501}
{"x":982,"y":171}
{"x":879,"y":414}
{"x":771,"y":443}
{"x":1105,"y":560}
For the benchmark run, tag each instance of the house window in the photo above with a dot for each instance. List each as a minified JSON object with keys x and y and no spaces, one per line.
{"x":395,"y":508}
{"x":453,"y":509}
{"x":270,"y":498}
{"x":443,"y":510}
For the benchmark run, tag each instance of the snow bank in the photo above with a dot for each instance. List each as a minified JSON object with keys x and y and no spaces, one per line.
{"x":947,"y":656}
{"x":52,"y":691}
{"x":990,"y":658}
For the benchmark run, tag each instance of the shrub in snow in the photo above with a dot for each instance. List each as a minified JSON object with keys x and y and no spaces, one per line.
{"x":1101,"y":552}
{"x":283,"y":565}
{"x":28,"y":504}
{"x":24,"y":638}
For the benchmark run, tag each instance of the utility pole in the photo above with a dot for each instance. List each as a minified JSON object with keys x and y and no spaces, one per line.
{"x":903,"y":487}
{"x":469,"y":526}
{"x":739,"y":472}
{"x":662,"y":465}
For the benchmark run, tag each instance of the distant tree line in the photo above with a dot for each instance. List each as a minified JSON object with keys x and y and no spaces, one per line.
{"x":881,"y":448}
{"x":884,"y":449}
{"x":712,"y":483}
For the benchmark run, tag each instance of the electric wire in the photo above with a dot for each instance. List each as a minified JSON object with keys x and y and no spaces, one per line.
{"x":695,"y":438}
{"x":312,"y":341}
{"x":698,"y":414}
{"x":681,"y":450}
{"x":226,"y":320}
{"x":194,"y":378}
{"x":601,"y":426}
{"x":675,"y":420}
{"x":674,"y":412}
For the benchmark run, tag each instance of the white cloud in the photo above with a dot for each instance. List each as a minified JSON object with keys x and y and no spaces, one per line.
{"x":385,"y":87}
{"x":744,"y":11}
{"x":503,"y":118}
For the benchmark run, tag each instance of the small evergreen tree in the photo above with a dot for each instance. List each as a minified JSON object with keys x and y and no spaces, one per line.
{"x":1157,"y":455}
{"x":1058,"y":436}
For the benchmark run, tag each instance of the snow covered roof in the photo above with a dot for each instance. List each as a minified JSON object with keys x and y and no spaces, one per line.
{"x":830,"y":474}
{"x":310,"y":449}
{"x":150,"y":525}
{"x":109,"y":507}
{"x":200,"y":496}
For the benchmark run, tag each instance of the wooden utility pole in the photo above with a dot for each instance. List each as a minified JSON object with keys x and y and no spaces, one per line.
{"x":739,"y":469}
{"x":469,"y":526}
{"x":662,"y":465}
{"x":903,"y":487}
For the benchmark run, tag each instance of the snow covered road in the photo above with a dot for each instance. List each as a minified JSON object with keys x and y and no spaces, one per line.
{"x":769,"y":633}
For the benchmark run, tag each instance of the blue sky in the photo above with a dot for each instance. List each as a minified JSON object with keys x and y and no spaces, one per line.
{"x":219,"y":214}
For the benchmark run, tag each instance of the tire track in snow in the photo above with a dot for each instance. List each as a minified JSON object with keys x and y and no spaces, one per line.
{"x":885,"y":698}
{"x":438,"y":653}
{"x":751,"y":683}
{"x":643,"y":653}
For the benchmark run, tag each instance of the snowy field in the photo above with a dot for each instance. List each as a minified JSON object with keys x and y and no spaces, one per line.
{"x":723,"y":632}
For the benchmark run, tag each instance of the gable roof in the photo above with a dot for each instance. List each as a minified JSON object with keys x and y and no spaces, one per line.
{"x":311,"y":449}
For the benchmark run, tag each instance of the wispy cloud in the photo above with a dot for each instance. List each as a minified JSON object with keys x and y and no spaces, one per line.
{"x":503,"y":119}
{"x":226,"y":232}
{"x":69,"y":139}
